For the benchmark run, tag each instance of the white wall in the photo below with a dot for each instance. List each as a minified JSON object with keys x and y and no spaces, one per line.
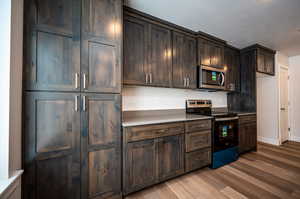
{"x":294,"y":69}
{"x":268,"y":103}
{"x":5,"y":25}
{"x":150,"y":98}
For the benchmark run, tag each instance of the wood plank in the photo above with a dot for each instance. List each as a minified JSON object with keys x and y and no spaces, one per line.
{"x":232,"y":194}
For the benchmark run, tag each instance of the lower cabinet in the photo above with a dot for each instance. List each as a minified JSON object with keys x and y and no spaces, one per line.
{"x":170,"y":156}
{"x":155,"y":153}
{"x":197,"y":159}
{"x":72,"y":146}
{"x":140,"y":165}
{"x":247,"y":133}
{"x":152,"y":160}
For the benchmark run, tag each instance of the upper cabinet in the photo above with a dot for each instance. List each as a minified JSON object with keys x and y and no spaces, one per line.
{"x":210,"y":52}
{"x":264,"y":60}
{"x":184,"y":61}
{"x":147,"y":53}
{"x":135,"y":51}
{"x":101,"y":35}
{"x":160,"y":56}
{"x":52,"y":42}
{"x":63,"y":54}
{"x":232,"y":66}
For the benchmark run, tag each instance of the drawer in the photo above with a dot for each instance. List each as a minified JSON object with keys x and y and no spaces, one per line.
{"x":197,"y":159}
{"x":153,"y":131}
{"x":196,"y":126}
{"x":247,"y":119}
{"x":197,"y":140}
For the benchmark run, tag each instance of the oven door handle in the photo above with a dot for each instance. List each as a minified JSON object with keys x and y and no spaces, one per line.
{"x":226,"y":119}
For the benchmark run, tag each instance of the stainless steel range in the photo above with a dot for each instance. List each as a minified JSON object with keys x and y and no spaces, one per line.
{"x":225,"y":138}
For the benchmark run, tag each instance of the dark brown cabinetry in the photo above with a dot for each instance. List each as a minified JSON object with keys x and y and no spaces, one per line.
{"x":160,"y":56}
{"x":101,"y":34}
{"x":101,"y":145}
{"x":135,"y":51}
{"x":265,"y":61}
{"x":170,"y":156}
{"x":52,"y":55}
{"x":197,"y":144}
{"x":152,"y":63}
{"x":232,"y":65}
{"x":247,"y":133}
{"x":184,"y":61}
{"x":140,"y":165}
{"x":210,"y":53}
{"x":72,"y":115}
{"x":51,"y":146}
{"x":152,"y":153}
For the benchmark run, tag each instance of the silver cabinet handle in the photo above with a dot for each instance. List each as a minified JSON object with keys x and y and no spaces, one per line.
{"x":76,"y":80}
{"x":76,"y":103}
{"x":84,"y":81}
{"x":188,"y":82}
{"x":150,"y":78}
{"x":184,"y":82}
{"x":84,"y":103}
{"x":146,"y":78}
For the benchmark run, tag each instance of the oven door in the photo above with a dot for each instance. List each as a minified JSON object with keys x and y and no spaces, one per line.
{"x":212,"y":78}
{"x":225,"y":133}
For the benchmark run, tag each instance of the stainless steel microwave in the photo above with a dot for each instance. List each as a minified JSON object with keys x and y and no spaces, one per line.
{"x":211,"y":78}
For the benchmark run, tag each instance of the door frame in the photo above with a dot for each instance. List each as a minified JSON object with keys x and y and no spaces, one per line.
{"x":284,"y":67}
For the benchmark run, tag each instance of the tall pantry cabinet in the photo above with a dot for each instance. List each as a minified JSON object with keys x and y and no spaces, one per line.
{"x":72,"y":102}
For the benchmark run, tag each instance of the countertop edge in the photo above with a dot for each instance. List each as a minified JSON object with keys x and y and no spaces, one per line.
{"x":166,"y":121}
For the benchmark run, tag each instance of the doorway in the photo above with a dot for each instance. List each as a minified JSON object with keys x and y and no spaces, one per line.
{"x":284,"y":104}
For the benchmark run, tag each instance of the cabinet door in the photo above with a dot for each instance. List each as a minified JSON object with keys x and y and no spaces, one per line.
{"x":52,"y":42}
{"x":160,"y":56}
{"x":204,"y":52}
{"x":260,"y":61}
{"x":269,"y":65}
{"x":247,"y":137}
{"x":135,"y":51}
{"x":232,"y":63}
{"x":51,"y":146}
{"x":100,"y":146}
{"x":179,"y":79}
{"x":190,"y":63}
{"x":170,"y":156}
{"x":101,"y":46}
{"x":216,"y":55}
{"x":140,"y":165}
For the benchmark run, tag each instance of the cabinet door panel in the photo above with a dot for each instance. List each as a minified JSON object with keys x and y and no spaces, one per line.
{"x":191,"y":61}
{"x":100,"y":146}
{"x":135,"y":51}
{"x":140,"y":165}
{"x":55,"y":14}
{"x":52,"y":55}
{"x":270,"y":68}
{"x":160,"y":56}
{"x":102,"y":19}
{"x":101,"y":46}
{"x":178,"y":60}
{"x":52,"y":148}
{"x":171,"y":152}
{"x":204,"y":52}
{"x":247,"y":137}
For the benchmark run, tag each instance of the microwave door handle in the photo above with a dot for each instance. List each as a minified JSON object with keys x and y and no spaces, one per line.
{"x":223,"y":79}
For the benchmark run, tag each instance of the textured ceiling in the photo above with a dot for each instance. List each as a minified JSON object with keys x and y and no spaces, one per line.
{"x":273,"y":23}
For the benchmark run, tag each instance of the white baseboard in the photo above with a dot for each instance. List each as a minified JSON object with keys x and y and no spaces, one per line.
{"x":268,"y":140}
{"x":294,"y":138}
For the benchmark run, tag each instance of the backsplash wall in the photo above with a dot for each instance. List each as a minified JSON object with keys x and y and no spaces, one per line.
{"x":150,"y":98}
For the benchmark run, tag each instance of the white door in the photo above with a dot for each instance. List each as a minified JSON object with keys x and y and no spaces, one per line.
{"x":284,"y":104}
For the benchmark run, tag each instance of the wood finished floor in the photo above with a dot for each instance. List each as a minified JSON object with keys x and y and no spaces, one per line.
{"x":271,"y":172}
